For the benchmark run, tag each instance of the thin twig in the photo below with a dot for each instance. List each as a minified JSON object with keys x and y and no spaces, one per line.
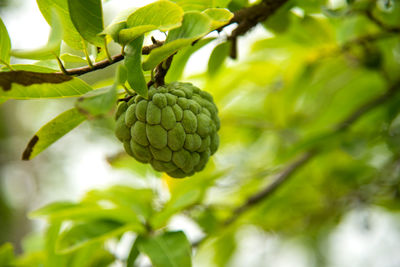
{"x":88,"y":60}
{"x":6,"y":64}
{"x":161,"y":71}
{"x":366,"y":107}
{"x":271,"y":188}
{"x":106,"y":50}
{"x":127,"y":90}
{"x":381,"y":24}
{"x":61,"y":65}
{"x":365,"y":39}
{"x":106,"y":62}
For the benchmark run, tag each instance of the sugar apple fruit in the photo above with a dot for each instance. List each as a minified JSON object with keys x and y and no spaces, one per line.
{"x":175,"y":129}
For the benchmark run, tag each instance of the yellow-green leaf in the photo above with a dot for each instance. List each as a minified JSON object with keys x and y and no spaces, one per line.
{"x":162,"y":15}
{"x":217,"y":58}
{"x":180,"y":59}
{"x":70,"y":35}
{"x":170,"y":249}
{"x":52,"y":131}
{"x":133,"y":59}
{"x":97,"y":102}
{"x":194,"y":26}
{"x":87,"y":17}
{"x":86,"y":233}
{"x":219,"y":17}
{"x":5,"y":44}
{"x":6,"y":255}
{"x":22,"y":84}
{"x":194,"y":5}
{"x":117,"y":24}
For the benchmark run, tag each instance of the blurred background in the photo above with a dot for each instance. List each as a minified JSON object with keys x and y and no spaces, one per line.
{"x":293,"y":81}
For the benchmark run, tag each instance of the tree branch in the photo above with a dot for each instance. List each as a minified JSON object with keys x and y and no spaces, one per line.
{"x":381,"y":24}
{"x":271,"y":188}
{"x":246,"y":19}
{"x":291,"y":169}
{"x":366,"y":107}
{"x":106,"y":62}
{"x":161,"y":71}
{"x":306,"y":157}
{"x":249,"y":17}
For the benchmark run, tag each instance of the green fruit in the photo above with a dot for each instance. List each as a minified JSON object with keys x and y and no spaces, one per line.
{"x":174,"y":130}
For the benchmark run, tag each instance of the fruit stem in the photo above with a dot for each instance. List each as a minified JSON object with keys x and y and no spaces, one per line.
{"x":107,"y":52}
{"x":161,"y":71}
{"x":61,"y":65}
{"x":128,"y":91}
{"x":87,"y":55}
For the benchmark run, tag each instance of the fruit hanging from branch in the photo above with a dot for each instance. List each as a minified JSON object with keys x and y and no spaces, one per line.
{"x":175,"y":129}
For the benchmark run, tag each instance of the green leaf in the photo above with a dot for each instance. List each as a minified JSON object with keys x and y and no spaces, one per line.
{"x":127,"y":35}
{"x":311,"y":6}
{"x":29,"y":67}
{"x":177,"y":67}
{"x":177,"y":203}
{"x":194,"y":26}
{"x":133,"y":254}
{"x":97,"y":102}
{"x":117,"y":24}
{"x":221,"y":3}
{"x":6,"y":255}
{"x":100,"y":257}
{"x":184,"y":194}
{"x":128,"y":163}
{"x":236,"y":5}
{"x":85,"y":211}
{"x":224,"y":247}
{"x":83,"y":234}
{"x":121,"y":75}
{"x":21,"y":84}
{"x":194,"y":5}
{"x":70,"y":35}
{"x":72,"y":58}
{"x":52,"y":131}
{"x":279,"y":22}
{"x":50,"y":238}
{"x":169,"y":249}
{"x":5,"y":44}
{"x":87,"y":17}
{"x":51,"y":49}
{"x":219,"y":17}
{"x":133,"y":59}
{"x":52,"y":208}
{"x":159,"y":54}
{"x":206,"y":219}
{"x":164,"y":15}
{"x":169,"y":16}
{"x":217,"y":58}
{"x":138,"y":200}
{"x":94,"y":254}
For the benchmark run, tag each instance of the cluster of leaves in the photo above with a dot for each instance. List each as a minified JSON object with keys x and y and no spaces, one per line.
{"x":79,"y":31}
{"x":323,"y":70}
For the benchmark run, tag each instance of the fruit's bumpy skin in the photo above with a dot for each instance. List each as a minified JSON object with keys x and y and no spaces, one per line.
{"x":175,"y":129}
